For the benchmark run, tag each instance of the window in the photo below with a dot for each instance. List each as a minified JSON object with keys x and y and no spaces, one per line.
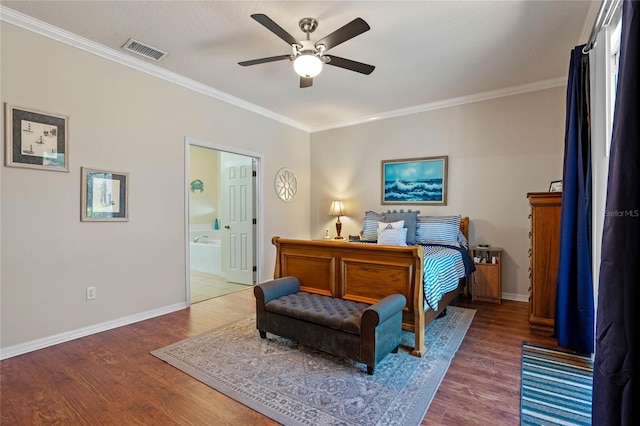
{"x":612,"y":76}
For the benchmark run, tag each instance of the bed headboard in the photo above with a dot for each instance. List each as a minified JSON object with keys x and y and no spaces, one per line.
{"x":464,"y":226}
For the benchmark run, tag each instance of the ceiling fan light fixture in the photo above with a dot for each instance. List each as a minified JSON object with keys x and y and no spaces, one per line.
{"x":307,"y":65}
{"x":308,"y":56}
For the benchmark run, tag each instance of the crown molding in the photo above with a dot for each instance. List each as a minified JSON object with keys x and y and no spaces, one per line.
{"x":34,"y":25}
{"x":446,"y":103}
{"x":42,"y":28}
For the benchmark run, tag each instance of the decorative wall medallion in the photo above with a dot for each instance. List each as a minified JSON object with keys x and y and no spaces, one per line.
{"x":286,"y":184}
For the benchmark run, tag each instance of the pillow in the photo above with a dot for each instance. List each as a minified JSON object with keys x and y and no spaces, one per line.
{"x":410,"y":222}
{"x":394,"y":225}
{"x":392,"y":236}
{"x":438,"y":229}
{"x":370,"y":226}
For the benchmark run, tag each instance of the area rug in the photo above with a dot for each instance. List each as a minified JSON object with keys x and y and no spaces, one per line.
{"x":556,"y":387}
{"x":296,"y":385}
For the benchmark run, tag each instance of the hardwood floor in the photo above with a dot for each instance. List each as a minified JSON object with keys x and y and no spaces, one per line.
{"x":111,"y":379}
{"x":482,"y":385}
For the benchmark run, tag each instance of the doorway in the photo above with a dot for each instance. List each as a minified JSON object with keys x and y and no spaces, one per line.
{"x":221,"y":203}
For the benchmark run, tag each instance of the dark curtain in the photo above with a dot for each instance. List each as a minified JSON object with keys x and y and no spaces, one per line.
{"x":574,"y":290}
{"x":616,"y":395}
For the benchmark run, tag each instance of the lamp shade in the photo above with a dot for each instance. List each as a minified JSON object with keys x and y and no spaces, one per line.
{"x":307,"y":65}
{"x":337,"y":208}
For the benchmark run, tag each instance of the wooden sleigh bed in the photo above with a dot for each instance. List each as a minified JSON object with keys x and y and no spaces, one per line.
{"x":364,"y":273}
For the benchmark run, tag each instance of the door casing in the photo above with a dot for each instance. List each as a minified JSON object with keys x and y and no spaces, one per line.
{"x":258,"y":241}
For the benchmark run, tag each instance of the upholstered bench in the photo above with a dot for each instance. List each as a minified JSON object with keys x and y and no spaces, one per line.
{"x":361,"y":332}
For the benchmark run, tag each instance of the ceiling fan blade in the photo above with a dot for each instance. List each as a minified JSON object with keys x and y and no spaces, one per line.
{"x":274,"y":28}
{"x":264,"y":60}
{"x":348,"y":64}
{"x":349,"y":31}
{"x":306,"y":82}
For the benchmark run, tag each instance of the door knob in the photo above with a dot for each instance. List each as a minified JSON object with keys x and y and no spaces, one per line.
{"x":227,"y":227}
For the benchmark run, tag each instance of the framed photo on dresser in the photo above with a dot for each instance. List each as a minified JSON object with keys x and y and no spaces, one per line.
{"x":555,"y":186}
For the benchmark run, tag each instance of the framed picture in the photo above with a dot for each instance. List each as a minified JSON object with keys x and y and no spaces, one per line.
{"x":556,"y":186}
{"x":36,"y":139}
{"x":415,"y":181}
{"x":104,"y":196}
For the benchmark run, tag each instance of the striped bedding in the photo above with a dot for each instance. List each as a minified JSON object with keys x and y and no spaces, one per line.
{"x":442,"y":269}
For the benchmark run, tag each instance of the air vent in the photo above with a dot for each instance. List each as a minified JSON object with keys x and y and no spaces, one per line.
{"x":144,"y":50}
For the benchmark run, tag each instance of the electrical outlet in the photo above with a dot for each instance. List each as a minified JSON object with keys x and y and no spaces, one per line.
{"x":91,"y":293}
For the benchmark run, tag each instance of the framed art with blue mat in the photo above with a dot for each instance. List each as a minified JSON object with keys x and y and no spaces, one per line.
{"x":104,"y":196}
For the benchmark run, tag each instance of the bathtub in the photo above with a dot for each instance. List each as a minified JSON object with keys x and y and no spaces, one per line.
{"x":205,"y":255}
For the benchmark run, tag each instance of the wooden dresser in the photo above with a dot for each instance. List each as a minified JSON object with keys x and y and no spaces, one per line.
{"x":544,"y":255}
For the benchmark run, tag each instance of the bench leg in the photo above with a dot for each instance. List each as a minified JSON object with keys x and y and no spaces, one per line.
{"x":369,"y":370}
{"x":263,"y":334}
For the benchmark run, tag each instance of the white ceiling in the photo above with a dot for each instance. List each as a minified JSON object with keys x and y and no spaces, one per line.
{"x":425,"y":52}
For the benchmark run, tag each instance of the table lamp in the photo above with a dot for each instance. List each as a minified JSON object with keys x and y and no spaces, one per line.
{"x":337,"y":209}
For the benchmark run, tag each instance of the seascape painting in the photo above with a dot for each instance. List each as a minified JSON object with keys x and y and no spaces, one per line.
{"x":415,"y":181}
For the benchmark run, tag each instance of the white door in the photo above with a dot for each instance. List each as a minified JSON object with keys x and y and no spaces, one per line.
{"x":237,"y":186}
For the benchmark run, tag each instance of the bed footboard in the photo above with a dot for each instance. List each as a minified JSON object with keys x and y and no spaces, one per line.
{"x":360,"y":272}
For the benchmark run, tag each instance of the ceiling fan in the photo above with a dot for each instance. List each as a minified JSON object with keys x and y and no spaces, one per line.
{"x":308,"y":57}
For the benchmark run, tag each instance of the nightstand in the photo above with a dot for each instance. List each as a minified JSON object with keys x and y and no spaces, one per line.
{"x":486,"y":283}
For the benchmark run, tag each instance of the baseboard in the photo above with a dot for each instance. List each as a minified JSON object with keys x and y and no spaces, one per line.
{"x":515,"y":297}
{"x":45,"y":342}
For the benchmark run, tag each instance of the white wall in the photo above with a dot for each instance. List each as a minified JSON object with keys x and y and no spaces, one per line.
{"x":498,"y":150}
{"x":122,"y":120}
